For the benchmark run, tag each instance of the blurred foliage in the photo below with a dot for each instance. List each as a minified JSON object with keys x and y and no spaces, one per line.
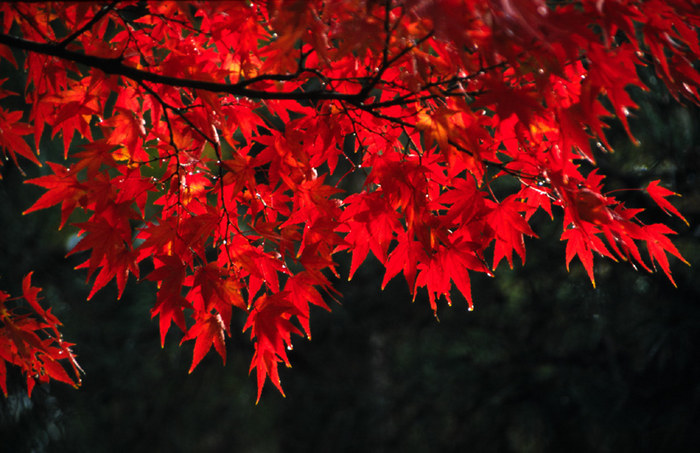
{"x":544,"y":363}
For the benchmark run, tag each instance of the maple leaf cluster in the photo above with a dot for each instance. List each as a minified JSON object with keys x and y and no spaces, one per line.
{"x":31,"y":341}
{"x":237,"y":148}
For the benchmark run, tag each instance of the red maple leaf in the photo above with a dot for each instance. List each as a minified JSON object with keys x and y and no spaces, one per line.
{"x":659,"y":195}
{"x":208,"y":330}
{"x":509,"y":228}
{"x":63,"y":188}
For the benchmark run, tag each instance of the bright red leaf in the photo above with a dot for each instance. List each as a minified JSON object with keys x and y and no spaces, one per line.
{"x":659,"y":195}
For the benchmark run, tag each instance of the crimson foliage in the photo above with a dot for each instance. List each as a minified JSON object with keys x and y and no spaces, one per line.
{"x":237,"y":148}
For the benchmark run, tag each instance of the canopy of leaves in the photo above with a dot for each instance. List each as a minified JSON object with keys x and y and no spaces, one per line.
{"x":235,"y":149}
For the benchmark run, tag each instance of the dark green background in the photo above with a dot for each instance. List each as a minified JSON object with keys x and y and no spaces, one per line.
{"x":544,"y":363}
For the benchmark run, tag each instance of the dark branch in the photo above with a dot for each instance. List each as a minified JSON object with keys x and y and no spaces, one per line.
{"x":95,"y":19}
{"x":116,"y":66}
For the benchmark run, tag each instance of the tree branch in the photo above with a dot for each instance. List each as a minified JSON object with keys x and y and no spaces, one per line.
{"x":95,"y":19}
{"x":116,"y":66}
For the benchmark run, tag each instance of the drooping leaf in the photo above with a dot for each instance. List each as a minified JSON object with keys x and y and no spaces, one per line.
{"x":659,"y":195}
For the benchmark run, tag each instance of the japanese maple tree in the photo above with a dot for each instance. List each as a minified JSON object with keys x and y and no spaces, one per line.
{"x":236,"y":149}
